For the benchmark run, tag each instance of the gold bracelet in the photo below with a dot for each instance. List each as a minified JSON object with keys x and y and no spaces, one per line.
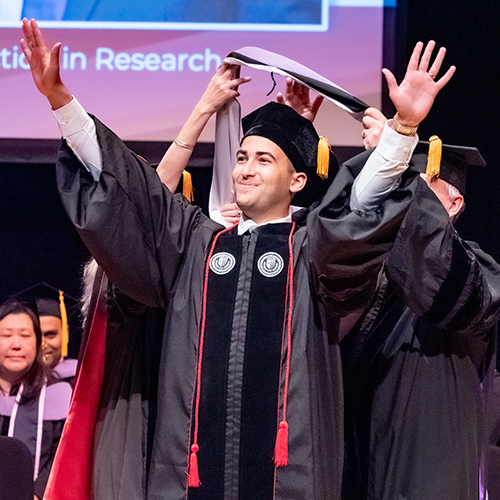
{"x":402,"y":129}
{"x":183,"y":144}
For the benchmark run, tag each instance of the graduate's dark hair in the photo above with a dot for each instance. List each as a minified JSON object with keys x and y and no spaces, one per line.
{"x":38,"y":372}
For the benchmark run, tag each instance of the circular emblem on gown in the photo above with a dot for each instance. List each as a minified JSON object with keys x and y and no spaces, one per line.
{"x":222,"y":263}
{"x":270,"y":264}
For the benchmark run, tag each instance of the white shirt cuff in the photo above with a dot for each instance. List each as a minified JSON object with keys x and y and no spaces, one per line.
{"x":382,"y":171}
{"x":396,"y":147}
{"x":80,"y":133}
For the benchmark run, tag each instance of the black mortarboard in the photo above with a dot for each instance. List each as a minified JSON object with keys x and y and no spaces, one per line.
{"x":48,"y":307}
{"x":298,"y":139}
{"x":453,"y":164}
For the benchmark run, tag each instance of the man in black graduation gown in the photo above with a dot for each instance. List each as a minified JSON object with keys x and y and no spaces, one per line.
{"x":418,"y":368}
{"x":250,"y":355}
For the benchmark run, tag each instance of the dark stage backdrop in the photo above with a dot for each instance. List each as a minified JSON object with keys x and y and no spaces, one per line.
{"x":38,"y":244}
{"x":37,"y":241}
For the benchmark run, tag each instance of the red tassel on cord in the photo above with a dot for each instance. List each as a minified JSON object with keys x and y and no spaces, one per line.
{"x":193,"y":479}
{"x":281,"y":449}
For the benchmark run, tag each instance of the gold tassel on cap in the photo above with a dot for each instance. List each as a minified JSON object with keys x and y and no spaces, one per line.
{"x":64,"y":321}
{"x":434,"y":157}
{"x":323,"y":157}
{"x":187,"y":185}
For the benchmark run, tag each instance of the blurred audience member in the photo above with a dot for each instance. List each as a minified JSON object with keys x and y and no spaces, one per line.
{"x":55,"y":336}
{"x":50,"y":304}
{"x":33,"y":402}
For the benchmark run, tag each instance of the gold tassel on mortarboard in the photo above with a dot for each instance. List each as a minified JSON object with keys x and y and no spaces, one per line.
{"x":323,"y":157}
{"x":64,"y":321}
{"x":434,"y":157}
{"x":187,"y":185}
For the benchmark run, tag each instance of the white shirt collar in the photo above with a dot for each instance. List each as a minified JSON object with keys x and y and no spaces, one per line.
{"x":249,"y":224}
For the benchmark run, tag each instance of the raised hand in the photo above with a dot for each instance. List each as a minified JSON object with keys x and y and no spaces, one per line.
{"x":414,"y":97}
{"x":222,"y":87}
{"x":373,"y":125}
{"x":297,"y":97}
{"x":44,"y":64}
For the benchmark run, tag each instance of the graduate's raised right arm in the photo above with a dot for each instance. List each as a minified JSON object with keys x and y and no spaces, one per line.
{"x":76,"y":125}
{"x":130,"y":222}
{"x":44,"y":64}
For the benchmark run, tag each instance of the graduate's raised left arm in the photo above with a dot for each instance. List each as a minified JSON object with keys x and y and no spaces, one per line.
{"x":413,"y":99}
{"x":347,"y":248}
{"x":354,"y":227}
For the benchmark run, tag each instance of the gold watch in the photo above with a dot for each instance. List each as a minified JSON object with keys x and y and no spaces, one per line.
{"x":402,"y":129}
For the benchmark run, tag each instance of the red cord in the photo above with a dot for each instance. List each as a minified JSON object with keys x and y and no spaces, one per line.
{"x":193,"y":477}
{"x":281,"y":448}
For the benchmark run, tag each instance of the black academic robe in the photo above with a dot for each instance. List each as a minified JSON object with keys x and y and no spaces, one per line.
{"x":418,"y":369}
{"x":127,"y":409}
{"x":56,"y":409}
{"x":153,"y":246}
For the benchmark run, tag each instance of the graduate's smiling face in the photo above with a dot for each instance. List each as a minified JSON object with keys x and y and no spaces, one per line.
{"x":17,"y":346}
{"x":51,"y":327}
{"x":264,"y":180}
